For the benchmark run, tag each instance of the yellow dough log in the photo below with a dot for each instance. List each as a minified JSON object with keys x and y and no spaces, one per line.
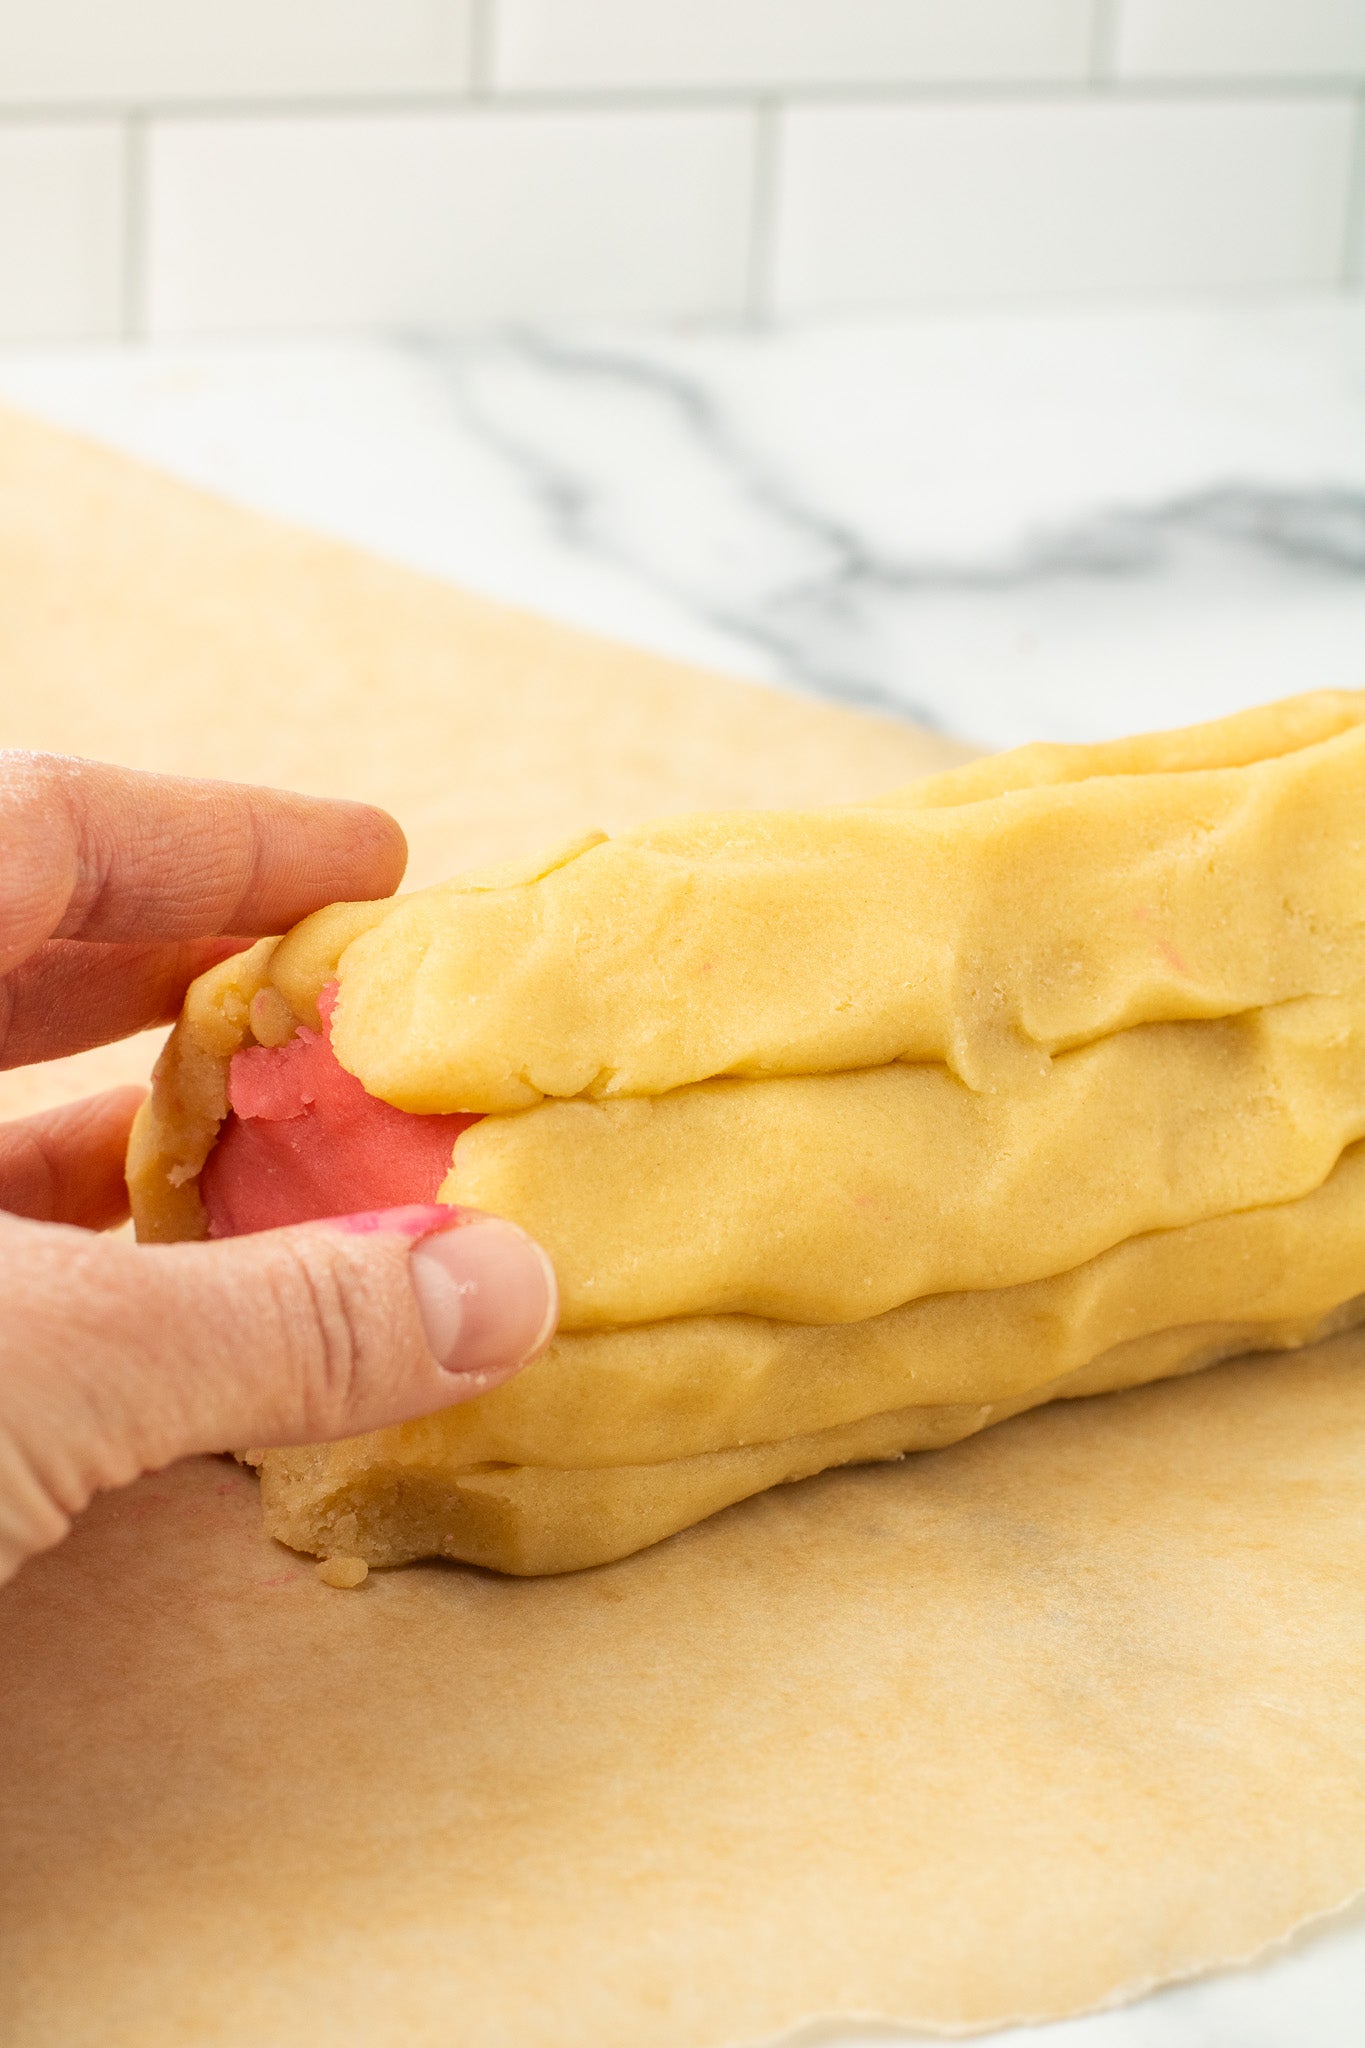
{"x":1041,"y":1078}
{"x":827,"y":1198}
{"x":988,"y":918}
{"x":610,"y":1442}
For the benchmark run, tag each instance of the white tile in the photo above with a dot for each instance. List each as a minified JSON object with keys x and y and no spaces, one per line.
{"x":607,"y":44}
{"x":61,"y":230}
{"x":1240,"y":38}
{"x":143,"y":51}
{"x":445,"y":219}
{"x":886,"y":206}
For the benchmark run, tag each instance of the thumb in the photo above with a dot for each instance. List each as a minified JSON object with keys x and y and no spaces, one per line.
{"x":116,"y":1358}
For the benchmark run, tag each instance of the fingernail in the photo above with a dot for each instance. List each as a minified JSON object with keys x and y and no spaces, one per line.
{"x":487,"y":1297}
{"x":414,"y":1219}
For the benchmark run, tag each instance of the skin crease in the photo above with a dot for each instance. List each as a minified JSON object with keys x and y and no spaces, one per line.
{"x":116,"y":889}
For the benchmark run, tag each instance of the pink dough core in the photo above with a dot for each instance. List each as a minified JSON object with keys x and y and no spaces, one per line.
{"x":304,"y":1140}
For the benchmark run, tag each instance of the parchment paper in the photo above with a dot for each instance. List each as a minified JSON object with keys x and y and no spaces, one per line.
{"x":145,"y":622}
{"x":1007,"y":1730}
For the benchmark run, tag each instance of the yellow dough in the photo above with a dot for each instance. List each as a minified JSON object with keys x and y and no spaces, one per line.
{"x":531,"y":1520}
{"x":1039,"y":1078}
{"x":969,"y":921}
{"x":608,"y":1442}
{"x":827,"y":1198}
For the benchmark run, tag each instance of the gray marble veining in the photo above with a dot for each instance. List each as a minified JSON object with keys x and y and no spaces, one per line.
{"x":1046,"y":526}
{"x":814,"y":613}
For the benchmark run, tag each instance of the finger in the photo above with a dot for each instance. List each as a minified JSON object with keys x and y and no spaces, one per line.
{"x":116,"y":1358}
{"x":66,"y":1165}
{"x":74,"y":993}
{"x":93,"y":852}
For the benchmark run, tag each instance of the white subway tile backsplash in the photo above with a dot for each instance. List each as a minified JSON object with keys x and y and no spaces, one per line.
{"x":1240,"y":39}
{"x":882,"y":206}
{"x":446,"y":163}
{"x":565,"y":45}
{"x":61,"y":230}
{"x":445,"y":219}
{"x":147,"y":51}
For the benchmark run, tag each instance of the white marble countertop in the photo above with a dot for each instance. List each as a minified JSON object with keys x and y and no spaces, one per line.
{"x":1047,"y":526}
{"x":1055,"y":526}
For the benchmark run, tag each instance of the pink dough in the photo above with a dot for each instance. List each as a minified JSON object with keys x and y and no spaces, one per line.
{"x":305,"y":1140}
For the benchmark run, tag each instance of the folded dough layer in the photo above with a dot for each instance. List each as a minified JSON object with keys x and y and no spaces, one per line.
{"x":987,"y":919}
{"x":609,"y":1442}
{"x":531,"y":1520}
{"x":829,"y":1198}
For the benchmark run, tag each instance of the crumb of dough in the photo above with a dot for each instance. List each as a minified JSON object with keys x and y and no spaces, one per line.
{"x":343,"y":1571}
{"x":272,"y":1021}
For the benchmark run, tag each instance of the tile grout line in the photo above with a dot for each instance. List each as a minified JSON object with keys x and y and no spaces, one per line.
{"x":1212,"y":92}
{"x":1102,"y":72}
{"x":763,"y":210}
{"x":481,"y":49}
{"x":133,"y":309}
{"x":1353,"y":251}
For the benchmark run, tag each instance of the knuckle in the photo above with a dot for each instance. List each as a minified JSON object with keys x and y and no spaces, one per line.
{"x":38,"y":871}
{"x":34,"y":1515}
{"x":327,"y":1322}
{"x":28,"y":1169}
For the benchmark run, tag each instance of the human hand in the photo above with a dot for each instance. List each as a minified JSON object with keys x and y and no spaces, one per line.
{"x":116,"y":889}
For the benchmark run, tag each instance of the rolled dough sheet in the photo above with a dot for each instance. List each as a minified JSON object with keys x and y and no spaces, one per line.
{"x":1013,"y":1729}
{"x":1010,"y":1729}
